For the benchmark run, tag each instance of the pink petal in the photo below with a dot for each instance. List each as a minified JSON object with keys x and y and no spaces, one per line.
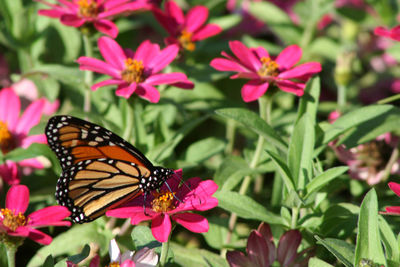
{"x":106,"y":27}
{"x":166,"y":78}
{"x":191,"y":221}
{"x":257,"y":250}
{"x":291,"y":87}
{"x":112,"y":52}
{"x":146,"y":52}
{"x":395,"y":187}
{"x":9,"y":173}
{"x":17,"y":198}
{"x":166,"y":21}
{"x":393,"y":33}
{"x":148,"y":92}
{"x":53,"y":215}
{"x":308,"y":68}
{"x":245,"y":55}
{"x":139,"y":217}
{"x":51,"y":13}
{"x":184,"y":84}
{"x":38,"y":138}
{"x":206,"y":32}
{"x":253,"y":90}
{"x":51,"y":107}
{"x":223,"y":64}
{"x":173,"y":10}
{"x":395,"y":210}
{"x":72,"y":20}
{"x":128,"y":263}
{"x":106,"y":83}
{"x":31,"y":163}
{"x":126,"y":90}
{"x":261,"y":52}
{"x":31,"y":117}
{"x":39,"y":237}
{"x":10,"y":107}
{"x":164,"y":57}
{"x":161,"y":227}
{"x":289,"y":57}
{"x":20,"y":231}
{"x":238,"y":259}
{"x":266,"y":233}
{"x":287,"y":247}
{"x":96,"y":65}
{"x":195,"y":18}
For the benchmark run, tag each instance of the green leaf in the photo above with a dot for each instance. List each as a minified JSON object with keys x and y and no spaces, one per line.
{"x":369,"y":244}
{"x":323,"y":179}
{"x":283,"y":170}
{"x":300,"y":153}
{"x":204,"y":149}
{"x":252,"y":121}
{"x":389,"y":241}
{"x":49,"y":262}
{"x":216,"y":234}
{"x":196,"y":257}
{"x":81,"y":256}
{"x":34,"y":150}
{"x":325,"y":47}
{"x":343,"y":251}
{"x":340,"y":220}
{"x":68,"y":75}
{"x":315,"y":262}
{"x":276,"y":19}
{"x":309,"y":101}
{"x":227,"y":21}
{"x":75,"y":238}
{"x":142,"y":237}
{"x":245,"y":207}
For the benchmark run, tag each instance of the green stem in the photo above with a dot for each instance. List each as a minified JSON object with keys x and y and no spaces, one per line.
{"x":11,"y":250}
{"x":87,"y":43}
{"x":129,"y":119}
{"x":230,"y":136}
{"x":389,"y":99}
{"x":265,"y":104}
{"x":341,"y":101}
{"x":164,"y":253}
{"x":295,"y":215}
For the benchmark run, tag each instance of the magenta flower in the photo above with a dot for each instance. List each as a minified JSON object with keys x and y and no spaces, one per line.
{"x":393,"y":34}
{"x":257,"y":65}
{"x":185,"y":30}
{"x":14,"y":132}
{"x":393,"y":210}
{"x":261,"y":250}
{"x":162,"y":207}
{"x":135,"y":72}
{"x":97,"y":12}
{"x":13,"y":222}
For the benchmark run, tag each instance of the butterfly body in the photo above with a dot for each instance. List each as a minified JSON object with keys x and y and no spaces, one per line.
{"x":100,"y":169}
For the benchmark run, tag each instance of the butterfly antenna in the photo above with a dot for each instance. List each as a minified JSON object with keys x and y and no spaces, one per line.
{"x":169,"y":188}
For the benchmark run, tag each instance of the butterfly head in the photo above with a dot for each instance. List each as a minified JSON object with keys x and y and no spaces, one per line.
{"x":156,"y":179}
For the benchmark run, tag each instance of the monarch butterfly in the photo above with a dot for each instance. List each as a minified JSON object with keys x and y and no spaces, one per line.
{"x":100,"y":169}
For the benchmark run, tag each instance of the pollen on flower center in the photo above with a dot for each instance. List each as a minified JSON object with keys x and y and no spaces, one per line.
{"x":11,"y":220}
{"x":185,"y":40}
{"x":88,"y":8}
{"x":6,"y":139}
{"x":268,"y":68}
{"x":163,"y":201}
{"x":133,"y":71}
{"x":113,"y":264}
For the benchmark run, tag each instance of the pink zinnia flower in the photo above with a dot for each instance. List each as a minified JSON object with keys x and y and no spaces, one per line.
{"x":261,"y":250}
{"x":185,"y":30}
{"x":393,"y":210}
{"x":14,"y":132}
{"x":13,"y":222}
{"x":257,"y":65}
{"x":98,"y":12}
{"x":135,"y":72}
{"x":393,"y":34}
{"x":163,"y":206}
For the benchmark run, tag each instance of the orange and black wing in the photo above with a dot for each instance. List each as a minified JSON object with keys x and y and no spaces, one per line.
{"x":74,"y":140}
{"x":91,"y":187}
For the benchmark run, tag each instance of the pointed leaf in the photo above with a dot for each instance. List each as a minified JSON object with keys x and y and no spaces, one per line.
{"x":389,"y":241}
{"x":324,"y":178}
{"x":283,"y":170}
{"x":343,"y":251}
{"x":81,"y":256}
{"x":309,"y":101}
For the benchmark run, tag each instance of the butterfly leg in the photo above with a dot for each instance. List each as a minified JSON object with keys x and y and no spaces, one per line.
{"x":144,"y":204}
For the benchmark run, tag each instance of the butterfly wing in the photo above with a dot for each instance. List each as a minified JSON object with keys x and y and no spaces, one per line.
{"x":74,"y":140}
{"x":93,"y":186}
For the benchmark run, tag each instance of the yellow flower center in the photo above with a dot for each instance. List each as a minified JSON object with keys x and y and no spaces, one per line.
{"x":88,"y":8}
{"x":133,"y":71}
{"x":11,"y":220}
{"x":6,"y":139}
{"x":185,"y":39}
{"x":268,"y":68}
{"x":163,"y":201}
{"x":113,"y":264}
